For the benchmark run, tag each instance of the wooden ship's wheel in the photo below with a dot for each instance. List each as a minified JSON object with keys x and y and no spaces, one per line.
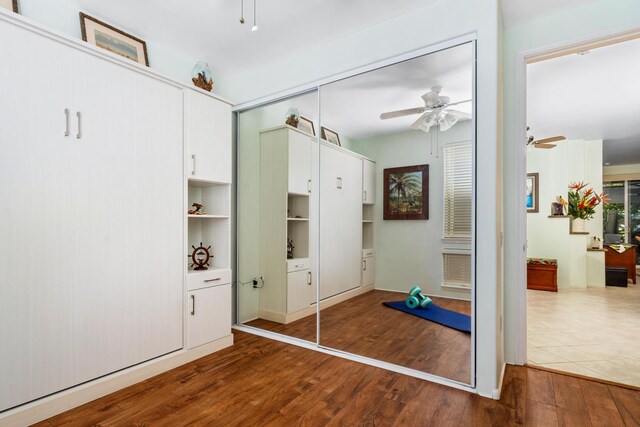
{"x":200,"y":257}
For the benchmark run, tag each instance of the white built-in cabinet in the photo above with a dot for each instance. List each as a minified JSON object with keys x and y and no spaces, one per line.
{"x":340,"y":220}
{"x":285,"y":214}
{"x":288,"y":210}
{"x":92,"y":252}
{"x":208,"y":135}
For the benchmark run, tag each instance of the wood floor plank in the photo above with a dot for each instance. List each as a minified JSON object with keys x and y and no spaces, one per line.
{"x":540,"y":414}
{"x":601,"y":408}
{"x":540,"y":386}
{"x":263,"y":382}
{"x":628,"y":404}
{"x":568,"y":393}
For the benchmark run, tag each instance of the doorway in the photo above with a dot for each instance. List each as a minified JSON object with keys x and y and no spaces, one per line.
{"x":582,"y":301}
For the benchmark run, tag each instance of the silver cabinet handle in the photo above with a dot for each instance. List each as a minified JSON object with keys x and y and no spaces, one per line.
{"x":66,"y":122}
{"x":213,"y":280}
{"x":193,"y":169}
{"x":365,"y":264}
{"x":339,"y":182}
{"x":309,"y":278}
{"x":365,"y":195}
{"x":193,"y":305}
{"x":298,"y":265}
{"x":309,"y":185}
{"x":79,"y":116}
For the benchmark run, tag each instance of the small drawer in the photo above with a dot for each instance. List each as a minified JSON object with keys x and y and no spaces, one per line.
{"x":366,"y":253}
{"x":207,"y":278}
{"x":298,"y":264}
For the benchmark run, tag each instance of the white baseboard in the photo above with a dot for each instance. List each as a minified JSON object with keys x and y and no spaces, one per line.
{"x":325,"y":303}
{"x":47,"y":407}
{"x":498,"y":391}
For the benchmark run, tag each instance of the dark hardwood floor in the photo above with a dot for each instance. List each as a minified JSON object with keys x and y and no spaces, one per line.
{"x":263,"y":382}
{"x":363,"y":326}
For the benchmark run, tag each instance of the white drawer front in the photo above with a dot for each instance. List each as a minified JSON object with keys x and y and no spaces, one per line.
{"x":297,"y":264}
{"x":366,"y":253}
{"x":207,"y":278}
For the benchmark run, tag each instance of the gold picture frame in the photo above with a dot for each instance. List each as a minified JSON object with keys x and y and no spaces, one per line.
{"x":113,"y":40}
{"x":306,"y":125}
{"x":330,"y":136}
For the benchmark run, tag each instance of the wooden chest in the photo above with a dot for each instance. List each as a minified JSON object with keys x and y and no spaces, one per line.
{"x":542,"y":274}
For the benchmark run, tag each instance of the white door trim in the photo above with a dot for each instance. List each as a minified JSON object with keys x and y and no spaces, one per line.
{"x":522,"y":59}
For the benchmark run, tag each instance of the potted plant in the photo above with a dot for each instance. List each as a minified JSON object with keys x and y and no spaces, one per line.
{"x":582,"y":202}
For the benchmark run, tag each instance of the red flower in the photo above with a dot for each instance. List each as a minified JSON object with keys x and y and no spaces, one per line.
{"x":588,"y":192}
{"x":581,"y":205}
{"x":593,"y":201}
{"x":577,"y":185}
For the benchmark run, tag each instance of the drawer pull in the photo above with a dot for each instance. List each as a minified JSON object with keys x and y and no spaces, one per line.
{"x":212,"y":280}
{"x":299,"y":265}
{"x":193,"y":305}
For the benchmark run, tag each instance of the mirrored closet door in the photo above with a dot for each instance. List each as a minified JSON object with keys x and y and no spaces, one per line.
{"x":356,"y":207}
{"x":277,"y":217}
{"x":396,"y":209}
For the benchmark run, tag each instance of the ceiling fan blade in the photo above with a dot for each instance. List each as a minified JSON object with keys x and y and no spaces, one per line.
{"x":543,"y":145}
{"x":460,"y":114}
{"x":459,"y":102}
{"x":400,"y":113}
{"x":548,"y":140}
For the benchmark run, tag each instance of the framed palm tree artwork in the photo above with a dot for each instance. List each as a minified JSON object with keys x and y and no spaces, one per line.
{"x":406,"y":192}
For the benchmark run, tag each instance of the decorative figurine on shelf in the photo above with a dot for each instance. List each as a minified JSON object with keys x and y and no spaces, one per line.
{"x":290,"y":248}
{"x":293,"y":117}
{"x":557,"y":207}
{"x":200,"y":257}
{"x":197,"y":210}
{"x":595,"y":242}
{"x":202,"y":76}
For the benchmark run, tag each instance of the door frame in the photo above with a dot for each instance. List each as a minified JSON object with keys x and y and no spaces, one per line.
{"x":523,"y":58}
{"x":317,"y":86}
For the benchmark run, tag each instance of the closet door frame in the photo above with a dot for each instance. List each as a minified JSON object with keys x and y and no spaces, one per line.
{"x":318,"y":86}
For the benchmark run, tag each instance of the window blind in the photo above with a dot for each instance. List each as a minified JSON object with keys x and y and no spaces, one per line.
{"x":456,"y":269}
{"x":458,"y":191}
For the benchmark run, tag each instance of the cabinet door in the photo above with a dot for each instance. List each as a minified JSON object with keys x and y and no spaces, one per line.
{"x":208,"y":315}
{"x":368,"y":271}
{"x":351,"y":222}
{"x":368,"y":182}
{"x":127,"y":205}
{"x":298,"y":290}
{"x":36,"y":258}
{"x":209,"y":137}
{"x":299,"y":163}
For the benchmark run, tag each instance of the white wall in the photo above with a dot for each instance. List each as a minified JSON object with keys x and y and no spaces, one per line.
{"x":410,"y":252}
{"x":596,"y":19}
{"x":570,"y":161}
{"x":63,"y":16}
{"x":396,"y":36}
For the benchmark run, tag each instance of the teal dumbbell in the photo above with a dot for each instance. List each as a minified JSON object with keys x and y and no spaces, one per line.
{"x":416,"y":298}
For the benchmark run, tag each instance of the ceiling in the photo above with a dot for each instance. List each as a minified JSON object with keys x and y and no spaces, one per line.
{"x":516,"y":12}
{"x":592,"y":96}
{"x":353,"y":106}
{"x":210,"y":30}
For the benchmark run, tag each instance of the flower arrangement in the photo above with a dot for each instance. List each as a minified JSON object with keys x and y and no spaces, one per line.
{"x":583,"y":201}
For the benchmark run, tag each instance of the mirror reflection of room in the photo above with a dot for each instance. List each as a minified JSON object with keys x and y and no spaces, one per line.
{"x":276,"y":277}
{"x":395,"y":257}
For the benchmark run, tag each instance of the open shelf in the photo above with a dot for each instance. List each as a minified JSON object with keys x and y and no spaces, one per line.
{"x":367,"y":235}
{"x":298,"y":231}
{"x":367,"y":213}
{"x":297,"y":205}
{"x":214,"y":198}
{"x":297,"y":219}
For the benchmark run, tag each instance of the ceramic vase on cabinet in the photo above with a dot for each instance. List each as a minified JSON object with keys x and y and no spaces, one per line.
{"x":577,"y":225}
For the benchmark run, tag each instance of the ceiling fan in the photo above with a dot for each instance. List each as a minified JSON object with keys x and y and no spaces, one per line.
{"x":435,"y":112}
{"x":542,"y":143}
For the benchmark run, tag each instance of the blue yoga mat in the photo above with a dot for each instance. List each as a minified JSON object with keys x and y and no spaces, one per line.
{"x":436,"y":314}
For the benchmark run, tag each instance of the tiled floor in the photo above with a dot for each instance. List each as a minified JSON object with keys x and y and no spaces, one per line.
{"x":593,"y":332}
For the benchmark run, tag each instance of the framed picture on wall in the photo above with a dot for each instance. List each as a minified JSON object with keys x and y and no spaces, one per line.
{"x":112,"y":39}
{"x":330,"y":136}
{"x":532,"y":192}
{"x":10,"y":5}
{"x":306,"y":125}
{"x":406,"y":192}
